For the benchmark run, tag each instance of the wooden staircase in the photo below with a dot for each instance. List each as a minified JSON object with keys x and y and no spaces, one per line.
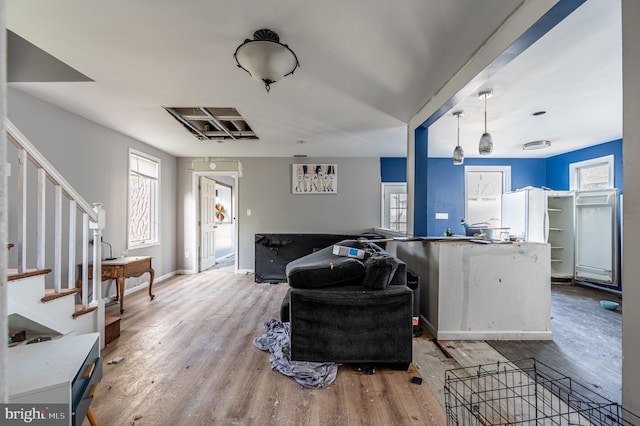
{"x":47,"y":298}
{"x":39,"y":311}
{"x":52,"y":303}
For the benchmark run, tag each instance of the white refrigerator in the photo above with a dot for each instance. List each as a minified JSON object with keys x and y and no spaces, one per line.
{"x":581,"y":227}
{"x":524,"y":212}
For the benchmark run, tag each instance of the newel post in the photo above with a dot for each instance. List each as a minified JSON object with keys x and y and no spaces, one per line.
{"x":96,"y":300}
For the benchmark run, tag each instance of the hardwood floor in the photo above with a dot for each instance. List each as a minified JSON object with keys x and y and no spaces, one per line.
{"x":189,"y":359}
{"x":587,"y":340}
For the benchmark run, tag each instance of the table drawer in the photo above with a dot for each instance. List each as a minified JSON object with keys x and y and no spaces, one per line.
{"x":136,"y":269}
{"x":88,"y":375}
{"x":80,"y":410}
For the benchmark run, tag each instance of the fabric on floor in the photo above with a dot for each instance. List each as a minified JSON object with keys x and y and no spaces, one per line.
{"x":313,"y":375}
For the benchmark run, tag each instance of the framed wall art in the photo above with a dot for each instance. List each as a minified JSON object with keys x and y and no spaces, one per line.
{"x":314,"y":179}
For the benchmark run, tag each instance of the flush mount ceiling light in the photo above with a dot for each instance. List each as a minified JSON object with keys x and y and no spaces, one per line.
{"x":486,"y":141}
{"x":265,"y":58}
{"x":536,"y":145}
{"x":458,"y":153}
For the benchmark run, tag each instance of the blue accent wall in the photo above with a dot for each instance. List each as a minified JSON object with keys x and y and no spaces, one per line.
{"x":558,"y":167}
{"x":393,"y":169}
{"x":440,"y":185}
{"x":446,"y":187}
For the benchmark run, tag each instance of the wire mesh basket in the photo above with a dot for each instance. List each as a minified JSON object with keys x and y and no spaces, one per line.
{"x":525,"y":392}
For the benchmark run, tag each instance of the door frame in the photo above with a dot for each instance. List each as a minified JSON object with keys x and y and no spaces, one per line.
{"x":195,"y":180}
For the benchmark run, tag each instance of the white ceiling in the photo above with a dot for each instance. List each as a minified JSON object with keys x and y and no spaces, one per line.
{"x":574,"y":73}
{"x":367,"y":66}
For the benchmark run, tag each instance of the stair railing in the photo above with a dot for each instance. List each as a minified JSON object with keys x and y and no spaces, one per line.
{"x":93,"y":218}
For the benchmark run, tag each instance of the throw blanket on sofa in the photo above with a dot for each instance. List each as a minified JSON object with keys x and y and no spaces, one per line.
{"x":312,"y":375}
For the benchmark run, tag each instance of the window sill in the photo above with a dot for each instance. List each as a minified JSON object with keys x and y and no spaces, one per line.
{"x":145,"y":245}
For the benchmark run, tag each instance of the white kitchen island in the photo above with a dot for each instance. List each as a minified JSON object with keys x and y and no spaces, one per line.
{"x":472,"y":291}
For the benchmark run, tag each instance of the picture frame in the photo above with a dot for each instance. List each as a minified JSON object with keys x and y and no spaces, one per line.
{"x":314,"y":179}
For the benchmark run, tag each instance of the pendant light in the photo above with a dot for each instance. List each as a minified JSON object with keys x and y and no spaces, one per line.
{"x":458,"y":153}
{"x":486,"y":141}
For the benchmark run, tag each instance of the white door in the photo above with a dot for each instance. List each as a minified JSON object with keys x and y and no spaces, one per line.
{"x":207,"y":223}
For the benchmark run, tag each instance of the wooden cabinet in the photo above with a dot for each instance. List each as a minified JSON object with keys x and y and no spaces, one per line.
{"x":61,"y":371}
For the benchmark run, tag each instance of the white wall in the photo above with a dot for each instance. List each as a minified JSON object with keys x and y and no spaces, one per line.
{"x":94,"y":160}
{"x":265,"y":189}
{"x":631,"y":177}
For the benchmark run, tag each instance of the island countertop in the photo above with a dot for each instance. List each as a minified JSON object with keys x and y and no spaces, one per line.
{"x":478,"y":291}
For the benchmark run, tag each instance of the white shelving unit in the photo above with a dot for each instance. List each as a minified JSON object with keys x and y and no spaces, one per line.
{"x":560,"y":213}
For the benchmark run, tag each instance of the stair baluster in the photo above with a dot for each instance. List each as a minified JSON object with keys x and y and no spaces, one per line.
{"x":71,"y":283}
{"x":41,"y":215}
{"x":22,"y":210}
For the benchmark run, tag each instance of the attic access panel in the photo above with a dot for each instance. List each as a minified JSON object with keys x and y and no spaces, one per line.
{"x":208,"y":123}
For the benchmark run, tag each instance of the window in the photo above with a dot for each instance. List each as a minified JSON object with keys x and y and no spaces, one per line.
{"x":394,"y":206}
{"x":596,"y":173}
{"x":144,"y":174}
{"x":484,"y":186}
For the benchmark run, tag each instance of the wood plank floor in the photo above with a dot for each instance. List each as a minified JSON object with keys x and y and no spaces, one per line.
{"x":587,"y":340}
{"x":189,"y":359}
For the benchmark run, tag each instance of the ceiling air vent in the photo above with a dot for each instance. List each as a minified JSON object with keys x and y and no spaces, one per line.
{"x":218,"y":124}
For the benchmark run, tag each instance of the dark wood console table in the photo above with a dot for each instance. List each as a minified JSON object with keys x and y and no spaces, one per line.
{"x":122,"y":268}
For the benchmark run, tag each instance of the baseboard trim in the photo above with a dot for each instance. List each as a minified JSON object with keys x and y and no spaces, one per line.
{"x":145,"y":284}
{"x":495,"y":335}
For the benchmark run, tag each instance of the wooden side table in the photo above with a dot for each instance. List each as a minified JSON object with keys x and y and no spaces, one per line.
{"x":122,"y":268}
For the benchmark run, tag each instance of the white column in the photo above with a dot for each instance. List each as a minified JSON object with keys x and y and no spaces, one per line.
{"x":3,"y":210}
{"x":631,"y":211}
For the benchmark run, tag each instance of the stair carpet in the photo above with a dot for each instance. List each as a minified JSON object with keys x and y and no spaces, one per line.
{"x":112,"y":324}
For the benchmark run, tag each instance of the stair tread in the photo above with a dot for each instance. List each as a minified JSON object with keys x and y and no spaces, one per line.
{"x":110,"y":320}
{"x":12,"y":274}
{"x":50,"y":293}
{"x":82,"y":311}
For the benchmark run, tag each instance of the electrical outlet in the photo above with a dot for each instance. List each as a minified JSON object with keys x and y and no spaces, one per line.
{"x":186,"y":254}
{"x":444,"y":216}
{"x":248,"y":212}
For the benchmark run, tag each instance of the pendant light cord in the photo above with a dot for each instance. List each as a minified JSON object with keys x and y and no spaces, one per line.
{"x":485,"y":113}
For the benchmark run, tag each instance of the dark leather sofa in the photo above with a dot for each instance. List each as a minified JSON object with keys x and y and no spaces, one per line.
{"x":349,"y":310}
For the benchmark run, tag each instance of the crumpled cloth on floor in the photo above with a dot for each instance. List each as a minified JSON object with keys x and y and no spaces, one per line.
{"x":313,"y":375}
